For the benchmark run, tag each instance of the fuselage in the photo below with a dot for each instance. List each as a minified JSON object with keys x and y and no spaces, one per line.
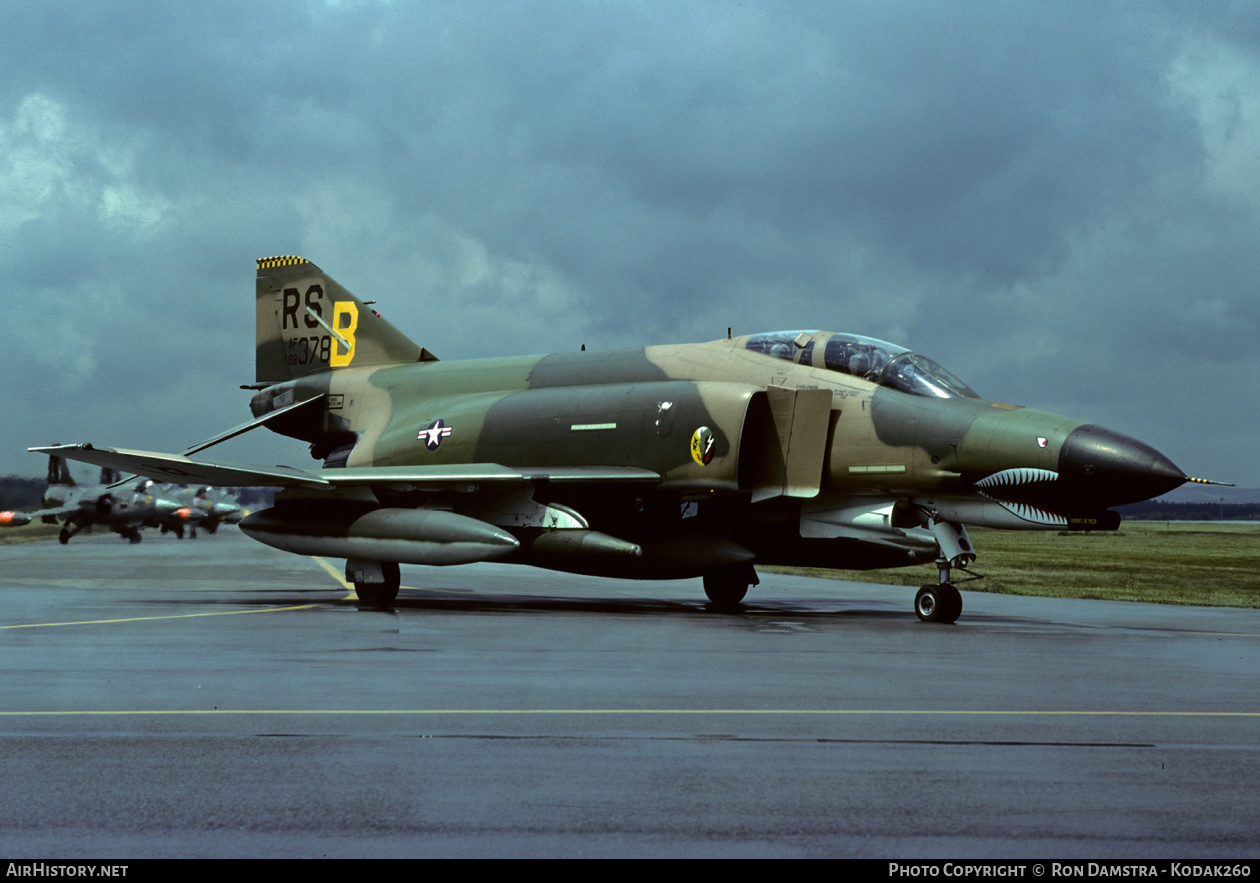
{"x":768,"y":448}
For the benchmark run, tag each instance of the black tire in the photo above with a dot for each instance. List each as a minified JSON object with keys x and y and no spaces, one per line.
{"x":939,"y":603}
{"x":380,"y":594}
{"x":725,"y":590}
{"x":63,"y":537}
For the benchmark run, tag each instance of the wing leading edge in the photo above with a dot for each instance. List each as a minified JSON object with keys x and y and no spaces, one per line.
{"x":182,"y":470}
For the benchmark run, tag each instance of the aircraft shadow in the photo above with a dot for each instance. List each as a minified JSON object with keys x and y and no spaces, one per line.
{"x":508,"y":603}
{"x":463,"y":601}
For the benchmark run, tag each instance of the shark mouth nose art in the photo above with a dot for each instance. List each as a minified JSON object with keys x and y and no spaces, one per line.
{"x":1023,"y":492}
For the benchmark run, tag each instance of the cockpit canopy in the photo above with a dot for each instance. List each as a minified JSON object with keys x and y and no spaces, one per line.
{"x":875,"y":360}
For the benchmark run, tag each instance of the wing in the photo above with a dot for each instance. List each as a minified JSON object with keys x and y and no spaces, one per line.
{"x":182,"y":470}
{"x":17,"y":519}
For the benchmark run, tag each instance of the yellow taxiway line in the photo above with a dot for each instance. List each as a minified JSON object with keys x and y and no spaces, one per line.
{"x":44,"y":625}
{"x":334,"y":573}
{"x":320,"y":561}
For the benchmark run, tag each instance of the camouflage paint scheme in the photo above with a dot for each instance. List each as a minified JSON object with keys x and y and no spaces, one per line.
{"x":809,"y":448}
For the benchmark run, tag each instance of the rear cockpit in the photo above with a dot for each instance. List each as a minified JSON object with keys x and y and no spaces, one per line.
{"x":874,"y":360}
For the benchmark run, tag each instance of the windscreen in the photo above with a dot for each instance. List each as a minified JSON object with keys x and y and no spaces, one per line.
{"x":875,"y":360}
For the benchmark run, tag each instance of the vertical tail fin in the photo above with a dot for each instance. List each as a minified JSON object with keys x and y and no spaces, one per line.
{"x":59,"y":472}
{"x":307,"y":323}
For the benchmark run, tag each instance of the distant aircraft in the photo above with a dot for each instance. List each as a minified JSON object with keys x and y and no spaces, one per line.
{"x":123,"y":507}
{"x":795,"y":447}
{"x":196,"y":509}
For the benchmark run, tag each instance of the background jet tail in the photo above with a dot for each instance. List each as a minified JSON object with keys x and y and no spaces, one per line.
{"x":59,"y":471}
{"x":307,"y":323}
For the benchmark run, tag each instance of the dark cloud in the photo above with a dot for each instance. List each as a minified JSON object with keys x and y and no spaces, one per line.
{"x":1059,"y":201}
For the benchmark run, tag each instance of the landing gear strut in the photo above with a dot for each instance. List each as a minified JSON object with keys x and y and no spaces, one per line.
{"x":942,"y":602}
{"x":70,"y":529}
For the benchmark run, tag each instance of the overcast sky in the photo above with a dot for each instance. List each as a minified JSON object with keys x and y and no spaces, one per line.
{"x":1059,"y":201}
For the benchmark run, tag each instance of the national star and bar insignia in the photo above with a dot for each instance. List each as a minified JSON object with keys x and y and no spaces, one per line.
{"x":433,"y":435}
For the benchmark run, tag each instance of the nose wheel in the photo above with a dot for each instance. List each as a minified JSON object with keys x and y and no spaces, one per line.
{"x":938,"y":603}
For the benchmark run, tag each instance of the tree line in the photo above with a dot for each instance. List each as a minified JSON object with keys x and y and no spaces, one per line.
{"x":1161,"y":510}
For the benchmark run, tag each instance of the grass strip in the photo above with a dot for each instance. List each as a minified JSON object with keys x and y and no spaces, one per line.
{"x":1210,"y":564}
{"x":28,"y":533}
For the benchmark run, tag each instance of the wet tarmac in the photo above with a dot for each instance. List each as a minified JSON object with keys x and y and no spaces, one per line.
{"x":219,"y":698}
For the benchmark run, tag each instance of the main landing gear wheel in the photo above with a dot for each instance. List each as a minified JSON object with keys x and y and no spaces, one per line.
{"x":939,"y":603}
{"x":726,"y":588}
{"x":380,"y":594}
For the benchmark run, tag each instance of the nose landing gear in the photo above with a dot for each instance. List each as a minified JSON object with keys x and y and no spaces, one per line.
{"x":942,"y":602}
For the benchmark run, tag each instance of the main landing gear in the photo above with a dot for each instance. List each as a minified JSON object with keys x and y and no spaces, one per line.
{"x":71,"y":529}
{"x":727,"y":587}
{"x":375,"y":582}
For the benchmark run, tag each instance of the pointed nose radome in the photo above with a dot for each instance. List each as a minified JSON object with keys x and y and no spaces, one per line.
{"x":1102,"y":468}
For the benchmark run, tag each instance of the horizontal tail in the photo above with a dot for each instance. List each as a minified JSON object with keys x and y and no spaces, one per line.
{"x":307,"y":323}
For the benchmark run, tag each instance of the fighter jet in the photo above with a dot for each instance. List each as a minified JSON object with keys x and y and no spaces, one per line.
{"x":123,"y":507}
{"x":196,"y":508}
{"x":703,"y":460}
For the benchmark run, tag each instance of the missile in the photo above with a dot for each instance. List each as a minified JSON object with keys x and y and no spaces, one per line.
{"x":407,"y":536}
{"x":579,"y":550}
{"x":13,"y":519}
{"x":686,"y":554}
